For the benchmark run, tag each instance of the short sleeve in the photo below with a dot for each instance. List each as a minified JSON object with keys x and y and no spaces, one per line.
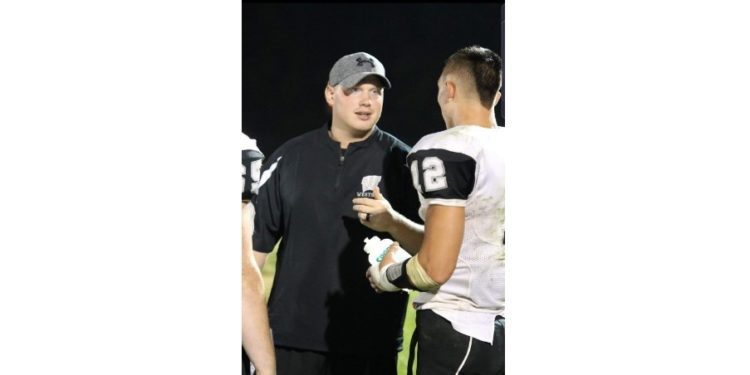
{"x":443,"y":175}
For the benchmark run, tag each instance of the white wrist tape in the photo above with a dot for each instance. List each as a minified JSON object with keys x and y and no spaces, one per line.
{"x":380,"y":280}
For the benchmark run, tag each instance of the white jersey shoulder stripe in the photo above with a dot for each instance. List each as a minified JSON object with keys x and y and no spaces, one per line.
{"x":267,"y":173}
{"x":445,"y":202}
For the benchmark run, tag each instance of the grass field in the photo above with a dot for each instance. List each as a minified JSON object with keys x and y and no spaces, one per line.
{"x":270,"y":268}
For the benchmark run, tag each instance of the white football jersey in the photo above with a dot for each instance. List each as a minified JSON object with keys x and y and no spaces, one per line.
{"x":465,"y":166}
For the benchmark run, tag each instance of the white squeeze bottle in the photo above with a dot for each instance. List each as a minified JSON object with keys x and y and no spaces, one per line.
{"x":377,"y":248}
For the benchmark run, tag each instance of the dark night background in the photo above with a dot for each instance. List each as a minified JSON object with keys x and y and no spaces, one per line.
{"x":288,"y":50}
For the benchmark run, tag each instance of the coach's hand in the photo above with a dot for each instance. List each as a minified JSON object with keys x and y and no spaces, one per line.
{"x":376,"y":214}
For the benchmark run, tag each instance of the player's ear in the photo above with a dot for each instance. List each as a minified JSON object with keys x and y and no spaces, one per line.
{"x":497,"y":98}
{"x":451,"y":87}
{"x":328,"y":94}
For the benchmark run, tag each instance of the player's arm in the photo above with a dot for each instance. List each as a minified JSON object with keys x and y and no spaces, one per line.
{"x":445,"y":179}
{"x":260,"y":259}
{"x":408,"y":233}
{"x":256,"y":334}
{"x":435,"y":260}
{"x":443,"y":234}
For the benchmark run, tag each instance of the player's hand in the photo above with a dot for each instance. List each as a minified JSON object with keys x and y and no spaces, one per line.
{"x":376,"y":272}
{"x":375,"y":213}
{"x":388,"y":258}
{"x":373,"y":276}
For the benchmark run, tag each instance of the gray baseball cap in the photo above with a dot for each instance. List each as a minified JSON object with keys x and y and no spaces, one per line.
{"x":351,"y":69}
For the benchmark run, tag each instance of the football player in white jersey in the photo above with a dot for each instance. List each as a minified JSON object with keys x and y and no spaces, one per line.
{"x":256,"y":335}
{"x":459,"y":253}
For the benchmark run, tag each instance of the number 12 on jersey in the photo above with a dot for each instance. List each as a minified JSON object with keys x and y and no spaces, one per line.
{"x":433,"y":174}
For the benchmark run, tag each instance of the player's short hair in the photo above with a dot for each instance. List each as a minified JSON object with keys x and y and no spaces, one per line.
{"x":483,"y":65}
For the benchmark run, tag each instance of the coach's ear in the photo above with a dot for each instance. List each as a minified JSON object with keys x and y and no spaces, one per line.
{"x":497,"y":98}
{"x":328,"y":94}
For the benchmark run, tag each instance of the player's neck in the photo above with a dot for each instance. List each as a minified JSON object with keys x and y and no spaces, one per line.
{"x":345,"y":135}
{"x":478,"y":116}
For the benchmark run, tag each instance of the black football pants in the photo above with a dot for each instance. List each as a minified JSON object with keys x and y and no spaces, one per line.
{"x":442,"y":350}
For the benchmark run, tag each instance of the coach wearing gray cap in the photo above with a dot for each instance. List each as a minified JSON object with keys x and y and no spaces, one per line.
{"x":325,"y":317}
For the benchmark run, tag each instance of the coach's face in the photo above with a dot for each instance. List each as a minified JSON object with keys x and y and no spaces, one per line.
{"x":357,"y":108}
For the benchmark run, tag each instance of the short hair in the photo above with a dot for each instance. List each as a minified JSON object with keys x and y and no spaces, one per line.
{"x":483,"y":65}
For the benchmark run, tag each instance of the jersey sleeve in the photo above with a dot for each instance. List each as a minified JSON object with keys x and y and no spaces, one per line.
{"x":442,"y":176}
{"x":268,"y":206}
{"x":251,"y":162}
{"x":252,"y":158}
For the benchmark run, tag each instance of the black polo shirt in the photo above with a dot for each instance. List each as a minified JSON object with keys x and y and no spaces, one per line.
{"x":320,"y":298}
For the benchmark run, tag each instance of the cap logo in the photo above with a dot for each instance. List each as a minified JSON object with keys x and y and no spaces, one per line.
{"x":361,"y":61}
